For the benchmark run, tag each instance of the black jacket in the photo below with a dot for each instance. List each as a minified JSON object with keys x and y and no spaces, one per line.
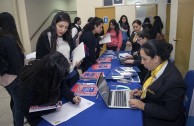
{"x":43,"y":46}
{"x":11,"y":57}
{"x":164,"y":100}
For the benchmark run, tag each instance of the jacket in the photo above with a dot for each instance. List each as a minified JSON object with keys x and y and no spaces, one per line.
{"x":164,"y":99}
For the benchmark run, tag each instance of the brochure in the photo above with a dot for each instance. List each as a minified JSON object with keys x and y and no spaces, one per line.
{"x":101,"y":66}
{"x":90,"y":75}
{"x":104,"y":60}
{"x":85,"y":89}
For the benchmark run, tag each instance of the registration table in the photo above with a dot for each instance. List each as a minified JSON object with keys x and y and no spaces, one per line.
{"x":100,"y":115}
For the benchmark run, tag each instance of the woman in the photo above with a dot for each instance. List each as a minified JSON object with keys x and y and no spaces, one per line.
{"x":163,"y":91}
{"x":147,"y":26}
{"x":116,"y":36}
{"x":125,"y":29}
{"x":157,"y":27}
{"x":133,"y":39}
{"x":40,"y":84}
{"x":90,"y":41}
{"x":57,"y":37}
{"x":135,"y":59}
{"x":11,"y":60}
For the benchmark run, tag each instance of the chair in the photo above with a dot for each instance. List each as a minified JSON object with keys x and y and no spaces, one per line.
{"x":189,"y":99}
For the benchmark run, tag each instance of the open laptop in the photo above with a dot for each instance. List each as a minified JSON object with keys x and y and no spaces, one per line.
{"x":113,"y":98}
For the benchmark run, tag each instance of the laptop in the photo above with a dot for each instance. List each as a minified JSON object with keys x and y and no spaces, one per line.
{"x":113,"y":98}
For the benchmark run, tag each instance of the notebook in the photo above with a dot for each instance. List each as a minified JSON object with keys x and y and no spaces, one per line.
{"x":113,"y":98}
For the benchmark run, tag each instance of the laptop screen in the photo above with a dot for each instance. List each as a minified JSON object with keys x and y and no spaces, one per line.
{"x":103,"y":88}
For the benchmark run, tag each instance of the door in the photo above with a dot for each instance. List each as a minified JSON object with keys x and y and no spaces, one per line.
{"x":184,"y":34}
{"x":106,"y":13}
{"x":168,"y":6}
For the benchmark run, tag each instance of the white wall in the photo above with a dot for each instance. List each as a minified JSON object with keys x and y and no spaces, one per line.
{"x":173,"y":25}
{"x":6,"y":5}
{"x":191,"y":63}
{"x":37,"y":11}
{"x":86,"y":9}
{"x":162,"y":12}
{"x":128,"y":10}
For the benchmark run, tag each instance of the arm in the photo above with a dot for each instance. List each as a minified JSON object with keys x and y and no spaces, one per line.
{"x":173,"y":101}
{"x":74,"y":31}
{"x":42,"y":46}
{"x":119,"y":40}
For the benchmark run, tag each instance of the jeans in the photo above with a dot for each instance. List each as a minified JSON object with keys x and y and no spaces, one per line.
{"x":18,"y":117}
{"x":123,"y":45}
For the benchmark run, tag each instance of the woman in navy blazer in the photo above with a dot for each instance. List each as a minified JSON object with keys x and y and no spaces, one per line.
{"x":162,"y":103}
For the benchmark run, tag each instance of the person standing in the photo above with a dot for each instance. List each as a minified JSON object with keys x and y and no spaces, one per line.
{"x":116,"y":36}
{"x":57,"y":37}
{"x":11,"y":61}
{"x":40,"y":85}
{"x":76,"y":30}
{"x":89,"y":38}
{"x":125,"y":29}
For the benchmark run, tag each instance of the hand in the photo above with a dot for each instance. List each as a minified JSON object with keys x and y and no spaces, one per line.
{"x":77,"y":100}
{"x":135,"y":103}
{"x":129,"y":57}
{"x":128,"y":43}
{"x":102,"y":37}
{"x":135,"y":92}
{"x":118,"y":49}
{"x":129,"y":61}
{"x":80,"y":33}
{"x":77,"y":64}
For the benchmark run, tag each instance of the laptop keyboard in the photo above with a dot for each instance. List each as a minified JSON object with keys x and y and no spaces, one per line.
{"x":120,"y":98}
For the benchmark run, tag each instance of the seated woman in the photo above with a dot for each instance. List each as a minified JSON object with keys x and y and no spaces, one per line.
{"x":162,"y":95}
{"x":135,"y":59}
{"x":40,"y":84}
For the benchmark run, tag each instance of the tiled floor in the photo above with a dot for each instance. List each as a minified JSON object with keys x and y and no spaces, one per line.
{"x":6,"y":118}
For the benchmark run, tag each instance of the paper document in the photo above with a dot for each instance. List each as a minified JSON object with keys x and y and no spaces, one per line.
{"x":78,"y":54}
{"x":67,"y":111}
{"x":123,"y":55}
{"x":106,"y":39}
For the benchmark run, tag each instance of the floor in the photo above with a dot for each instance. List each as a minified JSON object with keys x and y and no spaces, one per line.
{"x":6,"y":118}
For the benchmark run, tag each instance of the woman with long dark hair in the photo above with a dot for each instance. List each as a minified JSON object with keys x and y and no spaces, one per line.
{"x":157,"y":27}
{"x":57,"y":37}
{"x":116,"y":36}
{"x":90,"y":41}
{"x":125,"y":29}
{"x":11,"y":60}
{"x":40,"y":84}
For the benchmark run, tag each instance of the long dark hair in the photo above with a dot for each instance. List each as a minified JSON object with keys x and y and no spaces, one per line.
{"x":126,"y":23}
{"x":114,"y":22}
{"x":60,"y":16}
{"x":43,"y":77}
{"x":8,"y":27}
{"x":90,"y":26}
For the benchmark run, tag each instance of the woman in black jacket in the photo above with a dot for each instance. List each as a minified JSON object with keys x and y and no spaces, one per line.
{"x":40,"y":84}
{"x":90,"y":41}
{"x":11,"y":61}
{"x":57,"y":37}
{"x":162,"y":95}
